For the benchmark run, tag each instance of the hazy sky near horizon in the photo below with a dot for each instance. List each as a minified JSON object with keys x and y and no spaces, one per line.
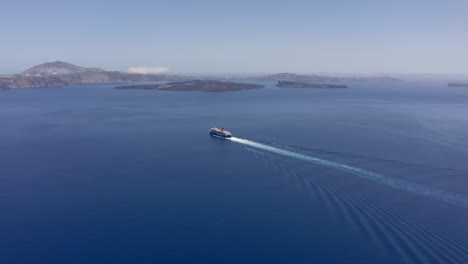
{"x":359,"y":36}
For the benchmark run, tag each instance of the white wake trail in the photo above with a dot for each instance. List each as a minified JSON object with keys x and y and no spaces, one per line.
{"x":392,"y":182}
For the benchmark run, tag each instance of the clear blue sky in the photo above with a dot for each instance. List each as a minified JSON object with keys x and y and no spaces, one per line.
{"x":363,"y":36}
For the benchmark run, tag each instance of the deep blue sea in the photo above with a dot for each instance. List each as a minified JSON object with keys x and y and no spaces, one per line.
{"x":377,"y":173}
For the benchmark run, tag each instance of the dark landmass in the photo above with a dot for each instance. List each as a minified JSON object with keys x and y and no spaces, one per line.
{"x":318,"y":78}
{"x":458,"y":84}
{"x":197,"y":85}
{"x":59,"y":73}
{"x":290,"y":84}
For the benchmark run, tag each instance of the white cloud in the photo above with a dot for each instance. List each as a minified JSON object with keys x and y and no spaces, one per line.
{"x":147,"y":70}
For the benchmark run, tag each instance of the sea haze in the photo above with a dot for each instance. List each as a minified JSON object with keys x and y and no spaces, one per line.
{"x":91,"y":174}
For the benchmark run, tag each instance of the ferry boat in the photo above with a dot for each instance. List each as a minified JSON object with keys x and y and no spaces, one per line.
{"x":216,"y":132}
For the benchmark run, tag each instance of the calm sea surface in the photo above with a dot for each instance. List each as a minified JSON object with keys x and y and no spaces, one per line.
{"x":377,"y":173}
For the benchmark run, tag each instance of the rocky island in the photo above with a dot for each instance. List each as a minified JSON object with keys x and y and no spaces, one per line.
{"x":458,"y":84}
{"x":59,"y":73}
{"x":290,"y":84}
{"x":197,"y":85}
{"x":320,"y":78}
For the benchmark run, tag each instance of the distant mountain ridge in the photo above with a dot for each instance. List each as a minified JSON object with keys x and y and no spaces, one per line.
{"x":458,"y":84}
{"x":319,"y":78}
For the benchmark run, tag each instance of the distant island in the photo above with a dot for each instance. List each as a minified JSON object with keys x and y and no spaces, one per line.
{"x":197,"y":85}
{"x":319,"y":78}
{"x":59,"y":73}
{"x":290,"y":84}
{"x":458,"y":84}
